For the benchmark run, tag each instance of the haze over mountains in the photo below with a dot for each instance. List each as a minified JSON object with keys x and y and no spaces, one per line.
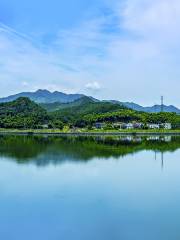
{"x":58,"y":100}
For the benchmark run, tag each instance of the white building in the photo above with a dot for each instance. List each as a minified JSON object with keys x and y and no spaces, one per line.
{"x":167,"y":126}
{"x":153,"y":126}
{"x":129,"y":126}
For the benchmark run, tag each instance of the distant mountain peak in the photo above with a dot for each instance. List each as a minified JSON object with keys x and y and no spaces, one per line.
{"x":44,"y":96}
{"x":42,"y":91}
{"x":152,"y":109}
{"x":56,"y":92}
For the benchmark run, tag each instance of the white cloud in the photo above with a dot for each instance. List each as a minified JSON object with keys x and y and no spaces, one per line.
{"x":136,"y":61}
{"x":93,"y":86}
{"x":143,"y":15}
{"x":157,"y":20}
{"x":25,"y":84}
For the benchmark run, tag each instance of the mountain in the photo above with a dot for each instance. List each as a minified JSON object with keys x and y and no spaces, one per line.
{"x":76,"y":110}
{"x":22,"y":113}
{"x":130,"y":105}
{"x":157,"y":108}
{"x":53,"y":101}
{"x":44,"y":96}
{"x":50,"y":107}
{"x":153,"y":109}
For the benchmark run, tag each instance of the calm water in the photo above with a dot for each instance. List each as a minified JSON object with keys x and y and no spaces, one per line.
{"x":89,"y":188}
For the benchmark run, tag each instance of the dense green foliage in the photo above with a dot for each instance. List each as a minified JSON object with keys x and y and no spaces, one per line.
{"x":52,"y":107}
{"x":74,"y":113}
{"x":88,"y":112}
{"x":128,"y":115}
{"x":22,"y":113}
{"x":85,"y":112}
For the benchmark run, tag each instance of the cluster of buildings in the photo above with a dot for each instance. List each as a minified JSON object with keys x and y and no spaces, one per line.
{"x":134,"y":125}
{"x":167,"y":126}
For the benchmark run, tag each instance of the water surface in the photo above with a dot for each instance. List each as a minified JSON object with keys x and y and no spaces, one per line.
{"x":89,"y":188}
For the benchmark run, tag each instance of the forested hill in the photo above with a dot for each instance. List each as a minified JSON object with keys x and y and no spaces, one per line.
{"x":74,"y":112}
{"x":57,"y":100}
{"x":82,"y":106}
{"x":22,"y":113}
{"x":51,"y":107}
{"x":85,"y":112}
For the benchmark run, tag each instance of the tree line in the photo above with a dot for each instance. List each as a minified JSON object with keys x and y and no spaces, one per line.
{"x":26,"y":114}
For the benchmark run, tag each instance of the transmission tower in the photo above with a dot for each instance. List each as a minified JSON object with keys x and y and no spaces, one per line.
{"x":162,"y":104}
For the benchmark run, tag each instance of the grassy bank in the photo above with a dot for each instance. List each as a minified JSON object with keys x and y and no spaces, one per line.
{"x":89,"y":132}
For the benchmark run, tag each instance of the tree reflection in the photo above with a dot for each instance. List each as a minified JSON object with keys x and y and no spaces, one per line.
{"x":43,"y":150}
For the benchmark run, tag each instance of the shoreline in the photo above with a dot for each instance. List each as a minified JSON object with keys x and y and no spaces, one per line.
{"x":91,"y":133}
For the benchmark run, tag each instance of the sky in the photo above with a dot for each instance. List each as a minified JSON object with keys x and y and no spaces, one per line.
{"x":128,"y":50}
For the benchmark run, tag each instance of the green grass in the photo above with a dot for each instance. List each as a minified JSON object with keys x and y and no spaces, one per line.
{"x":51,"y":131}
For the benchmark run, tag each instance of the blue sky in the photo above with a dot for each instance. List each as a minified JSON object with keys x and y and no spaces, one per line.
{"x":112,"y":49}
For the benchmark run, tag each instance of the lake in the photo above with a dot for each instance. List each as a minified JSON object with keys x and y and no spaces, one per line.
{"x":89,"y":188}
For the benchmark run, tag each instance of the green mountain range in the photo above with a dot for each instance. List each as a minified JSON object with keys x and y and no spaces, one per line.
{"x":57,"y":100}
{"x":84,"y":112}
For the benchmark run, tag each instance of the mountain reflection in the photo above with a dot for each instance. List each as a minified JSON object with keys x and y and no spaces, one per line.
{"x":44,"y":150}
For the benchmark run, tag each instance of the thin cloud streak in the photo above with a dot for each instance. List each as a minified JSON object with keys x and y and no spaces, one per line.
{"x":136,"y":61}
